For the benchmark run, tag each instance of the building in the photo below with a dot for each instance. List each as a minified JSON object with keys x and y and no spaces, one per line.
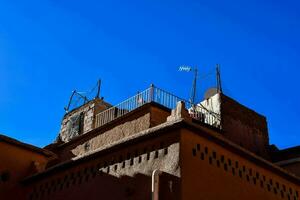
{"x":154,"y":145}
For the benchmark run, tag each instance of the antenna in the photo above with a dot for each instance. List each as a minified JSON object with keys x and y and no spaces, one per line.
{"x":185,"y":68}
{"x":194,"y":86}
{"x":98,"y":88}
{"x":70,"y":101}
{"x":219,"y":83}
{"x":82,"y":98}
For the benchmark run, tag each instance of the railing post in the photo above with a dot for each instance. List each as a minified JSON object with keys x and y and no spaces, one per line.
{"x":136,"y":100}
{"x":151,"y":98}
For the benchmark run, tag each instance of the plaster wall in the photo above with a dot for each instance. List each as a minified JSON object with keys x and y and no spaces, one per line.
{"x":120,"y":173}
{"x":210,"y":171}
{"x":17,"y":163}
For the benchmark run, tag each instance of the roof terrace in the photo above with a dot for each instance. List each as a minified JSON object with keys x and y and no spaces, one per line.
{"x":162,"y":97}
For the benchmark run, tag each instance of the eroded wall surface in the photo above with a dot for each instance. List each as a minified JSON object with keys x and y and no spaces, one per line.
{"x":81,"y":120}
{"x":120,"y":173}
{"x":115,"y":134}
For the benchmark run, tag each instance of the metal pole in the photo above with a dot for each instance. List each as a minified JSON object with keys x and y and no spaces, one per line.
{"x":219,"y":84}
{"x":70,"y":100}
{"x":151,"y":93}
{"x":194,"y":88}
{"x":98,"y":90}
{"x":155,"y":184}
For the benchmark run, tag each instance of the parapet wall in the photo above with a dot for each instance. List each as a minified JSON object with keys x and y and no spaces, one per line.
{"x":120,"y":172}
{"x":145,"y":117}
{"x":117,"y":133}
{"x":244,"y":126}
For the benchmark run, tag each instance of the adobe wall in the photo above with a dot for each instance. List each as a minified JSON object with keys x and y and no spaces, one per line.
{"x":145,"y":117}
{"x":15,"y":164}
{"x":88,"y":111}
{"x":155,"y":117}
{"x":293,"y":168}
{"x":117,"y":133}
{"x":158,"y":115}
{"x":288,"y":159}
{"x":244,"y":126}
{"x":121,"y":172}
{"x":211,"y":171}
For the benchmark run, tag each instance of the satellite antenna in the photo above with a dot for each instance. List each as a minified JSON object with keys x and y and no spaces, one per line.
{"x":194,"y":86}
{"x":211,"y":92}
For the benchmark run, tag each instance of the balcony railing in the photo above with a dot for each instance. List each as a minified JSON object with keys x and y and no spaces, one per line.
{"x":162,"y":97}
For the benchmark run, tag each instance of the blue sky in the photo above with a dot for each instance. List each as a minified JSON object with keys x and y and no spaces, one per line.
{"x":49,"y":48}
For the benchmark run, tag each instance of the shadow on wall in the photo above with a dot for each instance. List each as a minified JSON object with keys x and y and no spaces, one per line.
{"x":100,"y":185}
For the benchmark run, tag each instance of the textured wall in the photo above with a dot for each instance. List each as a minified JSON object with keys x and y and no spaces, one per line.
{"x":165,"y":159}
{"x":244,"y":126}
{"x":70,"y":127}
{"x":113,"y":135}
{"x":144,"y":117}
{"x":122,"y":173}
{"x":240,"y":124}
{"x":67,"y":132}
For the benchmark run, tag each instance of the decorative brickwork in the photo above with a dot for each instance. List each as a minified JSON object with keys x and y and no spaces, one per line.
{"x":235,"y":167}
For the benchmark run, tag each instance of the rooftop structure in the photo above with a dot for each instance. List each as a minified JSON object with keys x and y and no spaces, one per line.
{"x":156,"y":145}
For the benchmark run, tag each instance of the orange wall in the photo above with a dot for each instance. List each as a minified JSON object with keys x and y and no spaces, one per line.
{"x":209,"y":171}
{"x":18,"y":162}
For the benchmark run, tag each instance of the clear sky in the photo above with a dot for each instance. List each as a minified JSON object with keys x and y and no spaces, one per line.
{"x":49,"y":48}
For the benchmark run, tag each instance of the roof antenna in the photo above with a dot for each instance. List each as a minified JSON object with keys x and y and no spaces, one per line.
{"x":194,"y":86}
{"x":98,"y":88}
{"x":70,"y":101}
{"x":81,"y":96}
{"x":219,"y":83}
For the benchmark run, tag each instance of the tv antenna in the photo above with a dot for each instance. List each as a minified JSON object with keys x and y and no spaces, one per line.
{"x":218,"y":78}
{"x":98,"y":88}
{"x":194,"y":85}
{"x":82,"y":97}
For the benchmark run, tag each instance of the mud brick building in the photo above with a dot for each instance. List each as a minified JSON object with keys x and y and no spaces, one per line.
{"x":153,"y":145}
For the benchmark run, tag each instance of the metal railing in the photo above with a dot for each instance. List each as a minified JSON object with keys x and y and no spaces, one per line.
{"x":124,"y":107}
{"x":200,"y":113}
{"x":153,"y":94}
